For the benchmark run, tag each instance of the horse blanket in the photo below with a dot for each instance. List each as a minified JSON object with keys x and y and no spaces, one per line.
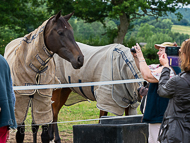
{"x":31,"y":63}
{"x":103,"y":63}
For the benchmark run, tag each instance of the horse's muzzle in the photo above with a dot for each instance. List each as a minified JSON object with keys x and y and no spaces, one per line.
{"x":79,"y":62}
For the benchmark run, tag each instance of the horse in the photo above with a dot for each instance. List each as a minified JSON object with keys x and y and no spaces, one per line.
{"x":101,"y":63}
{"x":31,"y":62}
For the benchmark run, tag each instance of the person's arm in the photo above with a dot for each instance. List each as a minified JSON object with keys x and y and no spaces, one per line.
{"x":146,"y":72}
{"x":166,"y":86}
{"x":143,"y":67}
{"x":136,"y":59}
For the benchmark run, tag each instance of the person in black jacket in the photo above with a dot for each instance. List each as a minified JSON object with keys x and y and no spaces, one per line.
{"x":155,"y":105}
{"x":175,"y":127}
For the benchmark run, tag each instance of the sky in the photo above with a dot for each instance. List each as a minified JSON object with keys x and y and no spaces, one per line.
{"x":186,"y":6}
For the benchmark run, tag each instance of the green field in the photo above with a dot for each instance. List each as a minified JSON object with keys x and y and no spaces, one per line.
{"x":181,"y":29}
{"x":80,"y":111}
{"x":72,"y":114}
{"x":68,"y":116}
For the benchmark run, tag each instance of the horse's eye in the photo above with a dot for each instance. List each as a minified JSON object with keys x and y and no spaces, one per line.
{"x":60,"y":33}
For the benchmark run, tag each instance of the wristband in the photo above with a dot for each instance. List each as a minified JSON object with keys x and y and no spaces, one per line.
{"x":141,"y":61}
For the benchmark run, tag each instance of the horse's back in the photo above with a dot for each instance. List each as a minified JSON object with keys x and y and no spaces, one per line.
{"x":104,"y":63}
{"x":95,"y":57}
{"x":10,"y":49}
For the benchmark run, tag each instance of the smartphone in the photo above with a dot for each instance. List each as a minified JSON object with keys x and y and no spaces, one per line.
{"x":172,"y":51}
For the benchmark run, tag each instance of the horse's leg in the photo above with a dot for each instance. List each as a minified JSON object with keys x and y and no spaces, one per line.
{"x":55,"y":99}
{"x":20,"y":134}
{"x":35,"y":131}
{"x":102,"y":113}
{"x":44,"y":135}
{"x":127,"y":111}
{"x":59,"y":97}
{"x":50,"y":132}
{"x":132,"y":111}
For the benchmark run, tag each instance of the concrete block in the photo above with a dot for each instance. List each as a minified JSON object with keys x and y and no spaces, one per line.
{"x":111,"y":133}
{"x":124,"y":120}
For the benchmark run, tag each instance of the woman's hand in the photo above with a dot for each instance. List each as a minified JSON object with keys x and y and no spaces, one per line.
{"x":164,"y":60}
{"x":139,"y":52}
{"x":134,"y":54}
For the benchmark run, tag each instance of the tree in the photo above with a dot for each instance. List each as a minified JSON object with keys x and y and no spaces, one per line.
{"x":124,"y":10}
{"x":145,"y":31}
{"x":22,"y":15}
{"x":158,"y":38}
{"x":184,"y":22}
{"x":162,"y":23}
{"x":19,"y":17}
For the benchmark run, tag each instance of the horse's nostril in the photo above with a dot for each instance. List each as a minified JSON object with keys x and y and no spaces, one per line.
{"x":80,"y":60}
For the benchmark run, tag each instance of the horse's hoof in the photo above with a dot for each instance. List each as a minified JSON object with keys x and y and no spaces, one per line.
{"x":58,"y":141}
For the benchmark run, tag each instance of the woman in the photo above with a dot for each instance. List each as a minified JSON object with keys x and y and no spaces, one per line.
{"x":155,"y":105}
{"x":7,"y":101}
{"x":176,"y":123}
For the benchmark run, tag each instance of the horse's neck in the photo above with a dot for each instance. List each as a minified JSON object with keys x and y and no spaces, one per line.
{"x":34,"y":48}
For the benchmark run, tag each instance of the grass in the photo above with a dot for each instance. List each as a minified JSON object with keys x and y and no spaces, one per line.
{"x":181,"y":29}
{"x":80,"y":111}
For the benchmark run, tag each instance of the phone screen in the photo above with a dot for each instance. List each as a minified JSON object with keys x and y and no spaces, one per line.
{"x":172,"y":51}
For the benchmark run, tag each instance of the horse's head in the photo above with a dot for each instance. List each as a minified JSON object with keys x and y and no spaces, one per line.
{"x":59,"y":39}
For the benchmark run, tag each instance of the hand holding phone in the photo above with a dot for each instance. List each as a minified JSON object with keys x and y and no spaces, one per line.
{"x":164,"y":60}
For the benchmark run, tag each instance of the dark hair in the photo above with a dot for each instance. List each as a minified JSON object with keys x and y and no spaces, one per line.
{"x":185,"y":61}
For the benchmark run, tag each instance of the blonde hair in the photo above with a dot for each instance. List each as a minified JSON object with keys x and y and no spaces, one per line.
{"x":185,"y":61}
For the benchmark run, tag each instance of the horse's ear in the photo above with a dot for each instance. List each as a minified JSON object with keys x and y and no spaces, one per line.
{"x":57,"y":16}
{"x":67,"y":17}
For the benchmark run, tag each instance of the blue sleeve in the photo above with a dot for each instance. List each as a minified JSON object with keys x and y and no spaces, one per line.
{"x":13,"y":94}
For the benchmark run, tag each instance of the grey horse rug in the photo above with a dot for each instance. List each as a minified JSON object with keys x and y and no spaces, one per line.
{"x":31,"y":63}
{"x":104,"y":63}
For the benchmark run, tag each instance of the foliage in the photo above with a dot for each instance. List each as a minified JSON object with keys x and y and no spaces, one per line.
{"x":130,"y":42}
{"x":21,"y":13}
{"x":91,"y":34}
{"x":125,"y":11}
{"x":153,"y":35}
{"x":150,"y":55}
{"x":178,"y":37}
{"x":161,"y":23}
{"x":158,"y":38}
{"x":19,"y":17}
{"x":144,"y":29}
{"x":184,"y":22}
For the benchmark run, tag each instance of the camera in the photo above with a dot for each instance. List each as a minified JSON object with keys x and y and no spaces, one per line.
{"x":173,"y":55}
{"x":133,"y":50}
{"x":172,"y":51}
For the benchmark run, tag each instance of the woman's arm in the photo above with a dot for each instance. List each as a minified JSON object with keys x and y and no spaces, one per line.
{"x":146,"y":72}
{"x":166,"y":86}
{"x":136,"y":59}
{"x":143,"y":67}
